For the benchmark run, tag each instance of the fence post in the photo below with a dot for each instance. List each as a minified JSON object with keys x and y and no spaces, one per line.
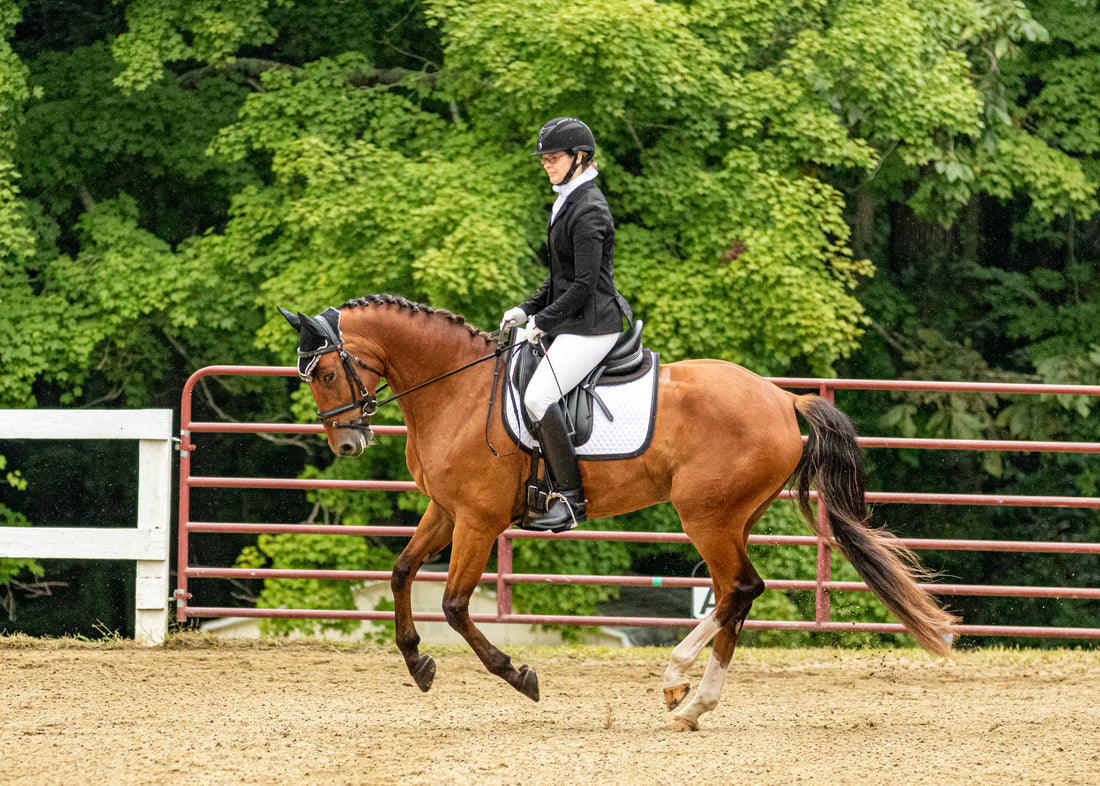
{"x":504,"y":565}
{"x":154,"y":517}
{"x":824,"y":571}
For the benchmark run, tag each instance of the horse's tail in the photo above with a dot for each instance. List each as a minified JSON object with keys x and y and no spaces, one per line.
{"x":832,"y":461}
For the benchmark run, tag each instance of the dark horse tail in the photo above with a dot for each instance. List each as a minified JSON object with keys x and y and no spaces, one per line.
{"x":832,"y":461}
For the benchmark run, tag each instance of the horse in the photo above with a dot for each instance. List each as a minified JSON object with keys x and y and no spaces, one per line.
{"x":725,"y":443}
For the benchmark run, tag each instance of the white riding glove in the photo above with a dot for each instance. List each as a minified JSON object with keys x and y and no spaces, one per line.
{"x":513,"y":317}
{"x":534,"y":331}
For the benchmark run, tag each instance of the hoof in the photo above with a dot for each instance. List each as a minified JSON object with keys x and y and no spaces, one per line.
{"x":676,"y":694}
{"x":681,"y":724}
{"x":528,"y":683}
{"x":424,"y":673}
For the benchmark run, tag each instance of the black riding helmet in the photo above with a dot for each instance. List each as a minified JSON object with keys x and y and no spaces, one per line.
{"x":566,"y":134}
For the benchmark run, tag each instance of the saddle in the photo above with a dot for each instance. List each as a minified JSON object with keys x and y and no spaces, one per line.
{"x":624,"y":359}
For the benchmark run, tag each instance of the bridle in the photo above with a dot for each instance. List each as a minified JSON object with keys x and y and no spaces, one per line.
{"x":363,"y":399}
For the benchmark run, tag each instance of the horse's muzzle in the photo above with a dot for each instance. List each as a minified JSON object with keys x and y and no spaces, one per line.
{"x":353,"y":442}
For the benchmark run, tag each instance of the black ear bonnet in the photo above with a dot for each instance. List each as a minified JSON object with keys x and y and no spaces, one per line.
{"x":316,"y":336}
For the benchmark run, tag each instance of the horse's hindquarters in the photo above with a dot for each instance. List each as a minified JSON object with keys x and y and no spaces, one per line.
{"x":722,"y":435}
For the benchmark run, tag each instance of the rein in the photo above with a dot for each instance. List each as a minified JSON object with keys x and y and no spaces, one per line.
{"x":511,"y":348}
{"x":366,"y":401}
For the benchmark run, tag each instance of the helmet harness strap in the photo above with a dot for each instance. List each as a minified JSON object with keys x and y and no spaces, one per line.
{"x":578,"y":158}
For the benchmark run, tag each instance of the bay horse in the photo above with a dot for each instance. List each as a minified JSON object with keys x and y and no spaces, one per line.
{"x":725,"y":444}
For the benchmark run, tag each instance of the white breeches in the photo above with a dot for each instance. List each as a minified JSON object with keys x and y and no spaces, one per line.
{"x":566,"y":364}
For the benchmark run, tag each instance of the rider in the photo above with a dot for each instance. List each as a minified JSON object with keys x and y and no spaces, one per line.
{"x":577,"y":306}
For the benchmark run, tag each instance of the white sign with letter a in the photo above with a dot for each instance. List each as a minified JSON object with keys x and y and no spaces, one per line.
{"x":702,"y":601}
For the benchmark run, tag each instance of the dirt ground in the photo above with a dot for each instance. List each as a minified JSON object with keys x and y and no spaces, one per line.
{"x":203,"y":712}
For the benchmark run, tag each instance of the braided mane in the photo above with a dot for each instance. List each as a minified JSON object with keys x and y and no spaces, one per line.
{"x":420,"y":308}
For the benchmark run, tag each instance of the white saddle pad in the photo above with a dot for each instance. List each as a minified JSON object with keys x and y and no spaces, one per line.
{"x":631,"y":400}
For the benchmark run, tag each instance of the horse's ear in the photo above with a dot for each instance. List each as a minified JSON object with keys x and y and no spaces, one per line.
{"x":295,"y":321}
{"x":310,"y":324}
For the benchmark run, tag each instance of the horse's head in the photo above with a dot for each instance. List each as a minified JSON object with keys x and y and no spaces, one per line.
{"x":345,"y":402}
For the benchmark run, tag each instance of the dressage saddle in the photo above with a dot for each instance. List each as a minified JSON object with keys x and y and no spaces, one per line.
{"x":623,"y":362}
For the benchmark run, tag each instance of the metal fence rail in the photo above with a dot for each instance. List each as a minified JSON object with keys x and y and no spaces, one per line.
{"x":822,"y":585}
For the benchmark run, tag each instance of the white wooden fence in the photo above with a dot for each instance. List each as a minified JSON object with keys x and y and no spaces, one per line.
{"x":147,"y":544}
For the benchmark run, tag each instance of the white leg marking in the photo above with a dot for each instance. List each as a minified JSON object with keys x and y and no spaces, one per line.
{"x":688,"y":650}
{"x":710,"y":688}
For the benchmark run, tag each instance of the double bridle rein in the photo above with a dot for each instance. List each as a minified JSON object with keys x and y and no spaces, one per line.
{"x":364,"y":400}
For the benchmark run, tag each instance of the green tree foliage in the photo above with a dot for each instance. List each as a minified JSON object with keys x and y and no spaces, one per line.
{"x":172,"y":171}
{"x":189,"y":30}
{"x":10,"y":568}
{"x":15,"y":240}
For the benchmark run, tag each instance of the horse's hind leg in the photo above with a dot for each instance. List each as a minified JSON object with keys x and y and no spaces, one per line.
{"x":432,"y":535}
{"x":736,"y":585}
{"x":468,"y":559}
{"x":730,"y":615}
{"x":676,"y":684}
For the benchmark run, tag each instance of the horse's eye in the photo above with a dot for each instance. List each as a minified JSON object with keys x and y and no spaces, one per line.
{"x":328,"y":377}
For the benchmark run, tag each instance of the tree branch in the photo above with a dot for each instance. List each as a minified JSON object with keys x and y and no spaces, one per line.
{"x":33,"y":589}
{"x":389,"y":76}
{"x":228,"y":418}
{"x":252,"y":68}
{"x":85,"y":197}
{"x":111,"y":396}
{"x":634,"y":135}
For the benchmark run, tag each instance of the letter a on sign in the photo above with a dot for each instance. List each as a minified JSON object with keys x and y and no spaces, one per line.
{"x":702,"y":601}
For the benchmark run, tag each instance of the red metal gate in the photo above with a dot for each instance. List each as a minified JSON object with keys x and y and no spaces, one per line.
{"x":504,"y":578}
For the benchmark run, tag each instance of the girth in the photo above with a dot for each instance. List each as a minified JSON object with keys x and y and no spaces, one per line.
{"x":624,"y":359}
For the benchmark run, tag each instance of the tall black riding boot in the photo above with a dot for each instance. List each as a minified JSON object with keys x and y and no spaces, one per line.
{"x":567,"y":507}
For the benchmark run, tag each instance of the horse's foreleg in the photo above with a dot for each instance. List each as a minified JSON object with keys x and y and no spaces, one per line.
{"x":432,"y":535}
{"x":468,"y":559}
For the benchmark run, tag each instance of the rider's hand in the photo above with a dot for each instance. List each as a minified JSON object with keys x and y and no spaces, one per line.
{"x":534,"y":331}
{"x":513,"y":317}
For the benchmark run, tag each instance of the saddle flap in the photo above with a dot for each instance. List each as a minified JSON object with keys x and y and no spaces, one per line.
{"x":578,"y":404}
{"x":527,"y":360}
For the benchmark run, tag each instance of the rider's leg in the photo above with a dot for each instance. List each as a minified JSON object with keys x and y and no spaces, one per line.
{"x":567,"y":362}
{"x":569,"y":359}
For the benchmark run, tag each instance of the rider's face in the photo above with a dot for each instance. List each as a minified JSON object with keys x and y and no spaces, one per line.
{"x":557,"y":165}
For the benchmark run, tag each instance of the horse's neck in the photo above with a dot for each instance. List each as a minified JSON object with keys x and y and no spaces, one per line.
{"x":419,"y":349}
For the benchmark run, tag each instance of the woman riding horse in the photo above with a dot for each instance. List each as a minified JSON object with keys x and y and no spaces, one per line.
{"x":577,"y":307}
{"x":725,"y":443}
